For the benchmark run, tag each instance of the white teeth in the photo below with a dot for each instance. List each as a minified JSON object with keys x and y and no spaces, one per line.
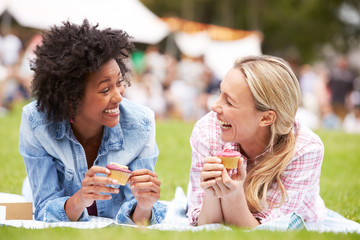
{"x":225,"y":124}
{"x":115,"y":110}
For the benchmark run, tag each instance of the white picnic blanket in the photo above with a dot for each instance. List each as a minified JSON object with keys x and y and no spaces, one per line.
{"x":176,"y":220}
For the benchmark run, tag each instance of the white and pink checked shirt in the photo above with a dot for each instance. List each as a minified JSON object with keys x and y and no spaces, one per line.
{"x":300,"y":178}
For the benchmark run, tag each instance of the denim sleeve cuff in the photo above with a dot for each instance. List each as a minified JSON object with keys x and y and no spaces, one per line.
{"x":55,"y":211}
{"x":158,"y":213}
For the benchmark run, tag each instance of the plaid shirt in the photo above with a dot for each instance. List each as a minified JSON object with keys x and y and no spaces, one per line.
{"x":300,"y":178}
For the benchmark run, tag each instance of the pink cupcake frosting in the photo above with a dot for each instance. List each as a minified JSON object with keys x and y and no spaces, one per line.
{"x":228,"y":151}
{"x":117,"y":168}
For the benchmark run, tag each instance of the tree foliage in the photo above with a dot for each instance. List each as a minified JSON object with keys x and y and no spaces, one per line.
{"x":291,"y":28}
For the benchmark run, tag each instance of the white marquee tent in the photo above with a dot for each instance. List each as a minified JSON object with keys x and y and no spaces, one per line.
{"x":219,"y":55}
{"x":129,"y":15}
{"x":220,"y":46}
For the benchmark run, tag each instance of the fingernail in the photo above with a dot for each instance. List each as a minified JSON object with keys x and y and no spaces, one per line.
{"x":107,"y":171}
{"x":116,"y":190}
{"x":114,"y":181}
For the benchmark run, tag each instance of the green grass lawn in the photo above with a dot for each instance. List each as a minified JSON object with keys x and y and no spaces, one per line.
{"x":340,"y":184}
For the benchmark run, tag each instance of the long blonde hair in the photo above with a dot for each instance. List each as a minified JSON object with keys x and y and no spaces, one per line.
{"x":275,"y":87}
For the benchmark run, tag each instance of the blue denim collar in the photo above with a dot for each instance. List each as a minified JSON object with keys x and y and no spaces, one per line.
{"x":112,"y":139}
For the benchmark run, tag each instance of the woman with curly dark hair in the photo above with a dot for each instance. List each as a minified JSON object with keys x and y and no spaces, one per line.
{"x":80,"y":122}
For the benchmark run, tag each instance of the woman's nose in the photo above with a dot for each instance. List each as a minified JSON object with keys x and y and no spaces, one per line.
{"x":216,"y":107}
{"x":118,"y":94}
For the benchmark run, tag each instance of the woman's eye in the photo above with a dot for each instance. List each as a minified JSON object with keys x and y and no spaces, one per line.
{"x":106,"y":90}
{"x":228,"y":103}
{"x":120,"y":81}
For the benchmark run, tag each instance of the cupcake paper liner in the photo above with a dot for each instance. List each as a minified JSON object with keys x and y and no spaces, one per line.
{"x":122,"y":177}
{"x":229,"y":162}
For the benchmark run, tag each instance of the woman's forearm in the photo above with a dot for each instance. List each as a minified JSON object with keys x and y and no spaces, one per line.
{"x":236,"y":211}
{"x":73,"y":207}
{"x":141,"y":216}
{"x":210,"y":211}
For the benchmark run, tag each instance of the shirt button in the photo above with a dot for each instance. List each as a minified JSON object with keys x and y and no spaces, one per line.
{"x":101,"y":212}
{"x":97,"y":162}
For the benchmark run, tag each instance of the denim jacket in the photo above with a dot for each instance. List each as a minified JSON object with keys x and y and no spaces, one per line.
{"x":56,"y":164}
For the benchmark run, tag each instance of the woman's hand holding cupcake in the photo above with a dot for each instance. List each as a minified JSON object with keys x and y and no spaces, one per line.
{"x":216,"y":181}
{"x":211,"y":171}
{"x":145,"y":186}
{"x":234,"y":184}
{"x":93,"y":188}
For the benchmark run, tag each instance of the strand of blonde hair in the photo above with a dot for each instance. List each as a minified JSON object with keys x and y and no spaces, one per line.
{"x":269,"y":171}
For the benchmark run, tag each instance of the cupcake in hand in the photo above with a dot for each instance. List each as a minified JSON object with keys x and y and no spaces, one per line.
{"x":119,"y":172}
{"x":229,"y":158}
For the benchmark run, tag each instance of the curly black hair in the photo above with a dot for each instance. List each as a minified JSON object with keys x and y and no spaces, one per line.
{"x":67,"y":55}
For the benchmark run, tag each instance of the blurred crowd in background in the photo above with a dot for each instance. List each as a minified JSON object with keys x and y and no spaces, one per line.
{"x":185,"y":88}
{"x":330,"y":95}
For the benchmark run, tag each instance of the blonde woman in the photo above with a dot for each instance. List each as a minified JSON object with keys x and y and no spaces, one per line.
{"x":281,"y":158}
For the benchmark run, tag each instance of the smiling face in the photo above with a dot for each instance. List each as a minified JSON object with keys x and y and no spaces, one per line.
{"x":240,"y":121}
{"x":103,"y":93}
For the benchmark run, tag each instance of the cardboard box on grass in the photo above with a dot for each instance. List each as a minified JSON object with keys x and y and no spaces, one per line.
{"x":18,"y":211}
{"x":15,"y":207}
